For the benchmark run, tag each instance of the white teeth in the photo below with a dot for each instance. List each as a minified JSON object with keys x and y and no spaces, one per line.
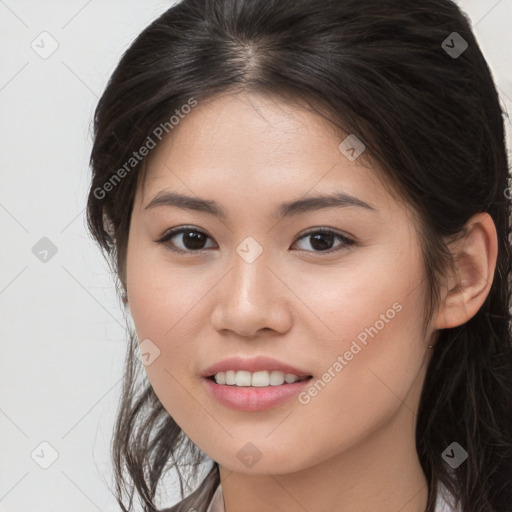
{"x":256,"y":379}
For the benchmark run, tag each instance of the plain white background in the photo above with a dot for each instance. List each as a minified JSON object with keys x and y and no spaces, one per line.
{"x":62,"y":335}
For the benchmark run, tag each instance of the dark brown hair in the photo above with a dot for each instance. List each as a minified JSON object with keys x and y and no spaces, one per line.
{"x":432,"y":120}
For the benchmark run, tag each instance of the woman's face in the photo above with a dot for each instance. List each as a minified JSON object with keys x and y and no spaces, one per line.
{"x":256,"y":282}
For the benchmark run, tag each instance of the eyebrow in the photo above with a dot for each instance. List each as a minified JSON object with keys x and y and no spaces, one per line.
{"x":288,"y":209}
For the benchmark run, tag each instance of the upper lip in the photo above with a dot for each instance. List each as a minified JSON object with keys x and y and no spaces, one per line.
{"x":252,"y":365}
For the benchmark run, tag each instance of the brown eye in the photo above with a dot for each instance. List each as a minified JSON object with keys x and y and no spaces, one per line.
{"x":322,"y":240}
{"x":191,"y":239}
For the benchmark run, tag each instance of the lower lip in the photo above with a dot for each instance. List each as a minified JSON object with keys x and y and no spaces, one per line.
{"x":254,"y":398}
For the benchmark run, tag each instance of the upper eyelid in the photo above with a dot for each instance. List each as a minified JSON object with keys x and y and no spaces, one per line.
{"x":180,"y":229}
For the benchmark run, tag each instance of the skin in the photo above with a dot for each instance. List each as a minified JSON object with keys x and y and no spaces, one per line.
{"x":352,"y":447}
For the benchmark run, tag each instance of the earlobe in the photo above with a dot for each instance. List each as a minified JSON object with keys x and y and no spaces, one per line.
{"x":475,"y":262}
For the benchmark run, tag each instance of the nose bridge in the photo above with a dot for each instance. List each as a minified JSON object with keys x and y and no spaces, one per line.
{"x":249,"y":299}
{"x":251,"y":276}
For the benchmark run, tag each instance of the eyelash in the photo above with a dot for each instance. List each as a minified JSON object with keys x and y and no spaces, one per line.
{"x":346,"y":242}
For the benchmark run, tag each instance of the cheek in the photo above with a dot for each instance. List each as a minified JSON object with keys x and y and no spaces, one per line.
{"x":166,"y":307}
{"x":161,"y":296}
{"x":369,"y":289}
{"x":372,"y":319}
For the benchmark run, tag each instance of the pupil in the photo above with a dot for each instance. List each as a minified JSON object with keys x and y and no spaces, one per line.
{"x":317,"y":238}
{"x":192,"y":240}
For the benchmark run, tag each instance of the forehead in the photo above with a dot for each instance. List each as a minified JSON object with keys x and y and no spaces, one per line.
{"x":259,"y":144}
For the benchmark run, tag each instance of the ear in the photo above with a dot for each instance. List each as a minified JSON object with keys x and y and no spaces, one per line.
{"x":475,"y":261}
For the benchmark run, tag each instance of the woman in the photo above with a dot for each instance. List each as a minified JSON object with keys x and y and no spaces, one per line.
{"x":305,"y":205}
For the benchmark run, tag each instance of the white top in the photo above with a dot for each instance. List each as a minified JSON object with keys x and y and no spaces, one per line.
{"x":217,"y":503}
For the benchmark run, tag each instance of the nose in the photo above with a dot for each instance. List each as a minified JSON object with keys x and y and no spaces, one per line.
{"x":252,"y":298}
